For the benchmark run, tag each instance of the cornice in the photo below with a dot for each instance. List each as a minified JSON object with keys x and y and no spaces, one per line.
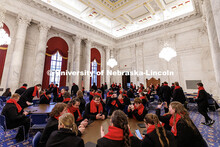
{"x":65,"y":17}
{"x":83,"y":25}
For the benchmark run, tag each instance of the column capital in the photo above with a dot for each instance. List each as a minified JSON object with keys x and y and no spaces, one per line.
{"x":44,"y":26}
{"x":77,"y":37}
{"x":88,"y":41}
{"x":23,"y":19}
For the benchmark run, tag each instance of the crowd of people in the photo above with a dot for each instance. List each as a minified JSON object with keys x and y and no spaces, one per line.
{"x":71,"y":115}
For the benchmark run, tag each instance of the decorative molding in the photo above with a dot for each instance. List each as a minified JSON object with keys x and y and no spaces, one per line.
{"x":44,"y":26}
{"x":24,"y":19}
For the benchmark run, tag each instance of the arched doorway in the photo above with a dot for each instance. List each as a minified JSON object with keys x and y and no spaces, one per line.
{"x":56,"y":59}
{"x":95,"y":67}
{"x":3,"y":52}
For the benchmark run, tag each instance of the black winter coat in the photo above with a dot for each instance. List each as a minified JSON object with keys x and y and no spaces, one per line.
{"x":178,"y":95}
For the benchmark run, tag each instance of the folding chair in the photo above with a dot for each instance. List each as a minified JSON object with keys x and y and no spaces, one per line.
{"x":36,"y":139}
{"x":38,"y":121}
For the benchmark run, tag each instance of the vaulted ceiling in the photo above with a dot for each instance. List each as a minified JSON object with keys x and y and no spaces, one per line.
{"x":121,"y":17}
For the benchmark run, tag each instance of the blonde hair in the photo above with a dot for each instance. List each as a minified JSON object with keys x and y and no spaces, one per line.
{"x":68,"y":120}
{"x":153,"y":120}
{"x":181,"y":110}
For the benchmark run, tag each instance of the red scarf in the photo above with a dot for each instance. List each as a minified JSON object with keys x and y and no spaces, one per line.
{"x":177,"y":87}
{"x":91,"y":93}
{"x":46,"y":95}
{"x":173,"y":129}
{"x":157,"y":87}
{"x":51,"y":85}
{"x":140,"y":109}
{"x":35,"y":93}
{"x":121,"y":101}
{"x":72,"y":110}
{"x":57,"y":117}
{"x":24,"y":87}
{"x":125,"y":95}
{"x":165,"y":84}
{"x":120,"y":92}
{"x":13,"y":101}
{"x":200,"y":88}
{"x":148,"y":92}
{"x":119,"y":86}
{"x":108,"y":95}
{"x":66,"y":100}
{"x":114,"y":103}
{"x":57,"y":89}
{"x":60,"y":95}
{"x":139,"y":91}
{"x":93,"y":108}
{"x":115,"y":133}
{"x":143,"y":97}
{"x":152,"y":128}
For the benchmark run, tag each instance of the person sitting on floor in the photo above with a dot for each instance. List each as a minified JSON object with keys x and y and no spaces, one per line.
{"x":185,"y":132}
{"x":22,"y":89}
{"x":66,"y":97}
{"x":119,"y":134}
{"x":143,"y":98}
{"x":156,"y":135}
{"x":66,"y":135}
{"x":45,"y":98}
{"x":116,"y":103}
{"x":82,"y":105}
{"x":7,"y":92}
{"x":73,"y":108}
{"x":91,"y":94}
{"x":137,"y":111}
{"x":60,"y":97}
{"x":95,"y":109}
{"x":27,"y":97}
{"x":16,"y":117}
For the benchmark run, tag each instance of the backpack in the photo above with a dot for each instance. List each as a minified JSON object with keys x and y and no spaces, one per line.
{"x":211,"y":102}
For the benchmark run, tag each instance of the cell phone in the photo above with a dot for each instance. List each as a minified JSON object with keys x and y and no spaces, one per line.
{"x":138,"y":134}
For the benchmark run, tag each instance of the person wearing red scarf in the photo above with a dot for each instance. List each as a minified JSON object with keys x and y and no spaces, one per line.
{"x":178,"y":94}
{"x":91,"y":94}
{"x":137,"y":111}
{"x":95,"y":109}
{"x":27,"y":97}
{"x":182,"y":127}
{"x":66,"y":97}
{"x":166,"y":93}
{"x":22,"y":89}
{"x":52,"y":123}
{"x":156,"y":134}
{"x":202,"y":101}
{"x":143,"y":98}
{"x":55,"y":93}
{"x":51,"y":86}
{"x":116,"y":103}
{"x":16,"y":117}
{"x":45,"y":98}
{"x":116,"y":133}
{"x":73,"y":108}
{"x":60,"y":97}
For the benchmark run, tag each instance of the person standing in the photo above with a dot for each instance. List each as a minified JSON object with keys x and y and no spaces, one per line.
{"x":22,"y":89}
{"x":202,"y":101}
{"x":178,"y":94}
{"x":7,"y":92}
{"x":166,"y":93}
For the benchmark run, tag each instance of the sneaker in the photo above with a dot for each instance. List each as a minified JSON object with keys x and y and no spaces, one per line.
{"x":212,"y":122}
{"x":205,"y":123}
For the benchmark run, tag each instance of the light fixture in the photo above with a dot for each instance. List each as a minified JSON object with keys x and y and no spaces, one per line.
{"x":112,"y":62}
{"x":4,"y":38}
{"x":167,"y":52}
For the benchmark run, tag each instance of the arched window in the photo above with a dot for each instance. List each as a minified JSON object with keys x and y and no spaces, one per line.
{"x":94,"y":73}
{"x":55,"y":68}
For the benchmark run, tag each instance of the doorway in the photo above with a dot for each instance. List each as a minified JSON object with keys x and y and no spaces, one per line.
{"x":126,"y":80}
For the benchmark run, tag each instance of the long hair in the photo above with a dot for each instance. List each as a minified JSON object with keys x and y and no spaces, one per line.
{"x":79,"y":94}
{"x":181,"y":110}
{"x":153,"y":120}
{"x":59,"y":107}
{"x":120,"y":120}
{"x":68,"y":121}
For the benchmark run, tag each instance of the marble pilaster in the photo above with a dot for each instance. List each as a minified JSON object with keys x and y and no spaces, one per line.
{"x":107,"y":57}
{"x":88,"y":64}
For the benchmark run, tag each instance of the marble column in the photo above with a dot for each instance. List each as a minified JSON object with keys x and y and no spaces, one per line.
{"x":76,"y":59}
{"x":88,"y":64}
{"x":133,"y":64}
{"x":40,"y":55}
{"x":17,"y":57}
{"x":140,"y":62}
{"x":107,"y":57}
{"x":209,"y":19}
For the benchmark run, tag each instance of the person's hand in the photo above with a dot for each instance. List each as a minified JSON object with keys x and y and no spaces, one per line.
{"x":25,"y":113}
{"x":28,"y":103}
{"x":102,"y":131}
{"x":81,"y":128}
{"x":103,"y":117}
{"x":132,"y":107}
{"x":98,"y":116}
{"x":165,"y":104}
{"x":84,"y":123}
{"x":159,"y":106}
